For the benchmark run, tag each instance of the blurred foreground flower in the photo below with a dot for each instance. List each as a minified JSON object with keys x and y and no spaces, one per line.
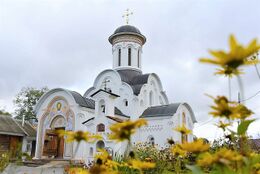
{"x":103,"y":158}
{"x":75,"y":170}
{"x":228,"y":109}
{"x":183,"y":130}
{"x":140,"y":165}
{"x":123,"y":131}
{"x":78,"y":136}
{"x":222,"y":156}
{"x":195,"y":147}
{"x":177,"y":151}
{"x":223,"y":125}
{"x":236,"y":57}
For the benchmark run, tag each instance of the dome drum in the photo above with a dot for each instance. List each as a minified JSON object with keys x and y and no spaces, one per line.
{"x":130,"y":32}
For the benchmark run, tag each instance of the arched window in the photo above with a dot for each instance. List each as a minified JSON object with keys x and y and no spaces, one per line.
{"x":184,"y":137}
{"x":125,"y":102}
{"x":101,"y":127}
{"x":102,"y":107}
{"x":91,"y":151}
{"x":151,"y":140}
{"x":129,"y":56}
{"x":138,"y":58}
{"x":119,"y":57}
{"x":183,"y":119}
{"x":151,"y":102}
{"x":100,"y":145}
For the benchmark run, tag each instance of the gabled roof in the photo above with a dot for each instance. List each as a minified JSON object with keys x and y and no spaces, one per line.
{"x":119,"y":120}
{"x":8,"y":126}
{"x":102,"y":90}
{"x":134,"y":78}
{"x":166,"y":110}
{"x":116,"y":119}
{"x":90,"y":103}
{"x":161,"y":111}
{"x":27,"y":128}
{"x":88,"y":120}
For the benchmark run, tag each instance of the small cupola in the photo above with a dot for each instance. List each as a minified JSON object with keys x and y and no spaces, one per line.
{"x":127,"y":42}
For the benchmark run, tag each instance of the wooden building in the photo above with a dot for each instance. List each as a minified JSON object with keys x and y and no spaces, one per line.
{"x":14,"y":136}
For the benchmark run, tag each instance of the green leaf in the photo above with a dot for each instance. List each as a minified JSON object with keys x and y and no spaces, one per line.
{"x":194,"y":169}
{"x":243,"y":126}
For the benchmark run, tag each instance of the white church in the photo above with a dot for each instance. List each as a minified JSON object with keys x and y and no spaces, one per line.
{"x":118,"y":94}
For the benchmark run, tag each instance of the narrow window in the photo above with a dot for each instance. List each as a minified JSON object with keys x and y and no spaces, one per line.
{"x":129,"y":56}
{"x":138,"y":59}
{"x":126,"y":103}
{"x":184,"y":136}
{"x":151,"y":99}
{"x":119,"y":57}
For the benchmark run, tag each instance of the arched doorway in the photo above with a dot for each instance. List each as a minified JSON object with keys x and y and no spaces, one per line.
{"x":53,"y":143}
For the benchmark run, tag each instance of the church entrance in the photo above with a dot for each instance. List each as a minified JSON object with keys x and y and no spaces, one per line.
{"x":53,"y":143}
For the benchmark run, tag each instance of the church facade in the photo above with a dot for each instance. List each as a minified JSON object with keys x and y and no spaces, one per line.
{"x":118,"y":94}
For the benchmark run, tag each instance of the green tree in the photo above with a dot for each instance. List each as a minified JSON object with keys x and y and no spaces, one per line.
{"x":3,"y":112}
{"x":25,"y":101}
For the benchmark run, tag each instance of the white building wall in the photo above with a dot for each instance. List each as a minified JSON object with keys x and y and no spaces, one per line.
{"x":124,"y":55}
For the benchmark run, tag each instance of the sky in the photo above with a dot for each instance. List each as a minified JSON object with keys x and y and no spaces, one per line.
{"x":64,"y":43}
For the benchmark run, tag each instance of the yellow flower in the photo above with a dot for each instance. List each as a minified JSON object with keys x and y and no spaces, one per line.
{"x":244,"y":112}
{"x":195,"y":147}
{"x":257,"y":166}
{"x":103,"y":155}
{"x":140,"y":165}
{"x":103,"y":158}
{"x":226,"y":156}
{"x":77,"y":171}
{"x":78,"y":136}
{"x":222,"y":156}
{"x":223,"y":125}
{"x":229,"y":109}
{"x":206,"y":159}
{"x":177,"y":151}
{"x":232,"y":60}
{"x":123,"y":131}
{"x":183,"y":130}
{"x":101,"y":169}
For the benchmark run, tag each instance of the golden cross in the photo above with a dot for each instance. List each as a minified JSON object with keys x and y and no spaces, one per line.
{"x":126,"y":15}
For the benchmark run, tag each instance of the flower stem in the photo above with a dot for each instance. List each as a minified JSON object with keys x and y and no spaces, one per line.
{"x":241,"y":88}
{"x":229,"y":88}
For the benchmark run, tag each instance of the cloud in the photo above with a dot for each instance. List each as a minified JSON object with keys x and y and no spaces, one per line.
{"x":64,"y":44}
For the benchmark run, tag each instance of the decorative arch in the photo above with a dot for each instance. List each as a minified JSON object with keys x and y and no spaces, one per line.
{"x":58,"y":121}
{"x":49,"y":117}
{"x":101,"y":75}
